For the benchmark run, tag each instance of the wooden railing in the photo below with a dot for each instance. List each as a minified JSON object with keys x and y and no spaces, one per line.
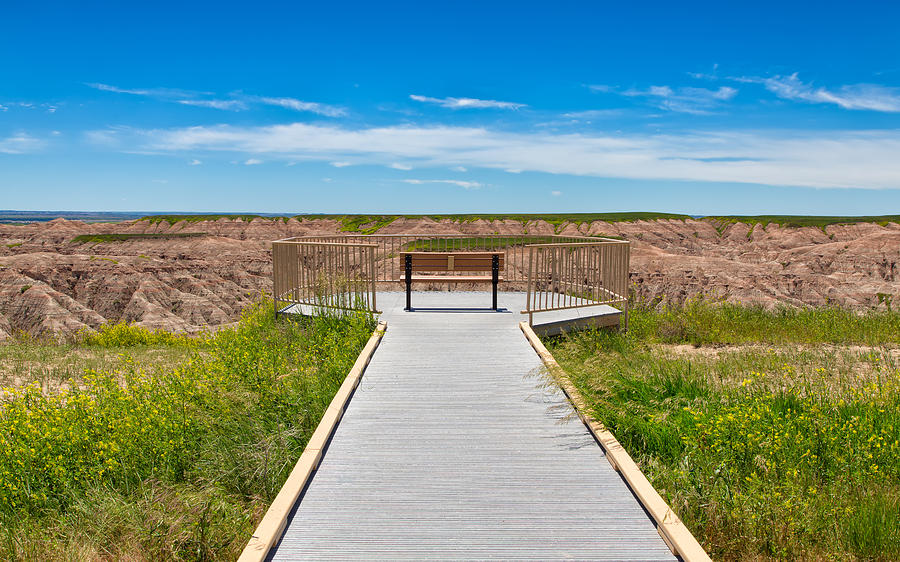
{"x":564,"y":276}
{"x":326,"y":275}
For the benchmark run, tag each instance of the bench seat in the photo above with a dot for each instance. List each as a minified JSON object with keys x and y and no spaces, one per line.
{"x":452,"y":278}
{"x":437,"y":263}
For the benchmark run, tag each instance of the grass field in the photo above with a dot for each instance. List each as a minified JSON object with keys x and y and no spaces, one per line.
{"x":100,"y":238}
{"x":475,"y":243}
{"x":774,"y":435}
{"x":172,"y":219}
{"x":370,"y":224}
{"x":798,"y":221}
{"x":142,"y":445}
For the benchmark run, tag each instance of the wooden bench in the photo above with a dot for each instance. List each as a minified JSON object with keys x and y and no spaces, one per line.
{"x":443,"y":262}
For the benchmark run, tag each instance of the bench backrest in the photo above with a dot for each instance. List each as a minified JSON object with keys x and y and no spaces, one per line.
{"x":443,"y":261}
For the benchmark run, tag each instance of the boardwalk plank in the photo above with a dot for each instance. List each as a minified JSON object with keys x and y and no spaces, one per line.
{"x":453,"y":447}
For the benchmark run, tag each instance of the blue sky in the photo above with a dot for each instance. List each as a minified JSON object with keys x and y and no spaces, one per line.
{"x":704,"y":108}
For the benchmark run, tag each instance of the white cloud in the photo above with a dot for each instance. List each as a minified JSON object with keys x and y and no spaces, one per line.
{"x":397,"y":166}
{"x":459,"y":169}
{"x":3,"y":108}
{"x":468,"y":103}
{"x":252,"y":162}
{"x":556,"y":193}
{"x":463,"y":184}
{"x":341,"y":164}
{"x":593,"y":114}
{"x":229,"y":105}
{"x":327,"y":180}
{"x":818,"y":158}
{"x":298,"y":105}
{"x":236,"y":101}
{"x":706,"y":75}
{"x":696,"y":101}
{"x":172,"y":93}
{"x":117,"y":90}
{"x":103,"y":137}
{"x":870,"y":97}
{"x":194,"y":162}
{"x":602,"y":88}
{"x":20,"y":143}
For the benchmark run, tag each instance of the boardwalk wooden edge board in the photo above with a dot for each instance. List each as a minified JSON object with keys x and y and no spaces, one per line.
{"x":270,"y":529}
{"x":669,"y":525}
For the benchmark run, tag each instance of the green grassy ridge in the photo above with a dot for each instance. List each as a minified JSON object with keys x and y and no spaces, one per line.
{"x":799,"y":221}
{"x":173,"y":219}
{"x":101,"y":238}
{"x":353,"y":222}
{"x":371,"y":224}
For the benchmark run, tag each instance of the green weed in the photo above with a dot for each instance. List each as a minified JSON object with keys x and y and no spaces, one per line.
{"x":168,"y":462}
{"x":101,"y":238}
{"x":768,"y":449}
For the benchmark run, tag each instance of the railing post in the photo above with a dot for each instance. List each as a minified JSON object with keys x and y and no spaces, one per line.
{"x":528,"y":290}
{"x":408,"y":269}
{"x":495,"y":275}
{"x":372,"y":278}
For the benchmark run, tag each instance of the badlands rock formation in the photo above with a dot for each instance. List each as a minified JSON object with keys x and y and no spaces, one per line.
{"x":52,"y":286}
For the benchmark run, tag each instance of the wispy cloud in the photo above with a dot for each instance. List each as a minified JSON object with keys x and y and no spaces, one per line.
{"x":194,"y":162}
{"x":299,"y":105}
{"x":117,"y":90}
{"x":556,"y":193}
{"x":819,"y":158}
{"x":20,"y":143}
{"x":236,"y":101}
{"x":5,"y":106}
{"x":172,"y":93}
{"x":229,"y":105}
{"x":340,"y":164}
{"x":872,"y":97}
{"x":593,"y":114}
{"x":696,"y":101}
{"x":405,"y":167}
{"x":252,"y":162}
{"x":714,"y":75}
{"x":463,"y":184}
{"x":468,"y":103}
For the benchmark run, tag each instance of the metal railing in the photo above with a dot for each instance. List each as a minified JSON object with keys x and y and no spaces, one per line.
{"x":389,"y":267}
{"x":564,"y":276}
{"x":556,"y":272}
{"x":329,"y":275}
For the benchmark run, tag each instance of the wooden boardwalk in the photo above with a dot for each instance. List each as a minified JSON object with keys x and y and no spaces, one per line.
{"x":453,"y":447}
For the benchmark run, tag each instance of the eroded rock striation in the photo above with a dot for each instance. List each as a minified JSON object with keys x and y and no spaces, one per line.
{"x":51,"y":285}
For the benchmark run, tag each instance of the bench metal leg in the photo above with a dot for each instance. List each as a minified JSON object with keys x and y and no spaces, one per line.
{"x":408,"y":270}
{"x":495,"y":276}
